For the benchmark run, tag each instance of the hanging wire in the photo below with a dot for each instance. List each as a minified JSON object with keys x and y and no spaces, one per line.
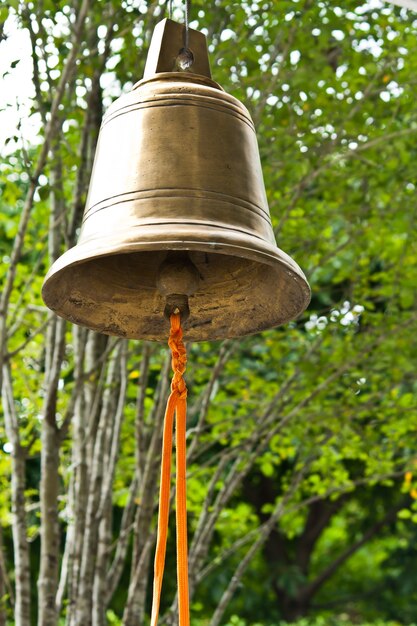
{"x":187,"y":9}
{"x":186,"y":57}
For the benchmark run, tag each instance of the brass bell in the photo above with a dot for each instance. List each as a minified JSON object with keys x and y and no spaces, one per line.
{"x":176,"y":214}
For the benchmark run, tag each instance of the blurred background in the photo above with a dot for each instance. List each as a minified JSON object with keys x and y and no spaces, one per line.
{"x":302,"y":441}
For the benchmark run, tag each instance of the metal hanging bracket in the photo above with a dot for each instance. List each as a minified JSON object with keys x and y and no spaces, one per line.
{"x":166,"y":46}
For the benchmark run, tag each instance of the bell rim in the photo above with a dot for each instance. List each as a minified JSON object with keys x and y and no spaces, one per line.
{"x":273,"y":257}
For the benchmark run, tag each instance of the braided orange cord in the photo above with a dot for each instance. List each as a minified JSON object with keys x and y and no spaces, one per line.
{"x":177,"y":404}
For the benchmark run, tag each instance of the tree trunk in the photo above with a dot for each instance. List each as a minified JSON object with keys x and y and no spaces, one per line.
{"x":20,"y":543}
{"x":49,"y":491}
{"x":21,"y":546}
{"x":90,"y":539}
{"x":99,"y":587}
{"x":3,"y":586}
{"x":49,"y":487}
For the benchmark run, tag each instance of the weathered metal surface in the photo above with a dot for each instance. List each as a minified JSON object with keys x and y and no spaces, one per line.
{"x":177,"y":167}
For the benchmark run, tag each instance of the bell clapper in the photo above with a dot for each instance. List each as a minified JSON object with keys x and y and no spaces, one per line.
{"x":177,"y":279}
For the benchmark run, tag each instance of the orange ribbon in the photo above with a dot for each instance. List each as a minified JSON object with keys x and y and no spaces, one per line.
{"x":176,"y":405}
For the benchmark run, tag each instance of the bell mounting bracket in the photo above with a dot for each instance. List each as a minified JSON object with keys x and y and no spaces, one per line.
{"x":166,"y":46}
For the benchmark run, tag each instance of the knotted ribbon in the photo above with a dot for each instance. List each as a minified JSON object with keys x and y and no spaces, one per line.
{"x":176,"y":406}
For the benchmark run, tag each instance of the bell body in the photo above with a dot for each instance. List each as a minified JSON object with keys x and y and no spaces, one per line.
{"x":177,"y":157}
{"x":177,"y":168}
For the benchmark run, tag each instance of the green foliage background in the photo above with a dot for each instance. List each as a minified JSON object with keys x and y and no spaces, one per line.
{"x":332,"y":90}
